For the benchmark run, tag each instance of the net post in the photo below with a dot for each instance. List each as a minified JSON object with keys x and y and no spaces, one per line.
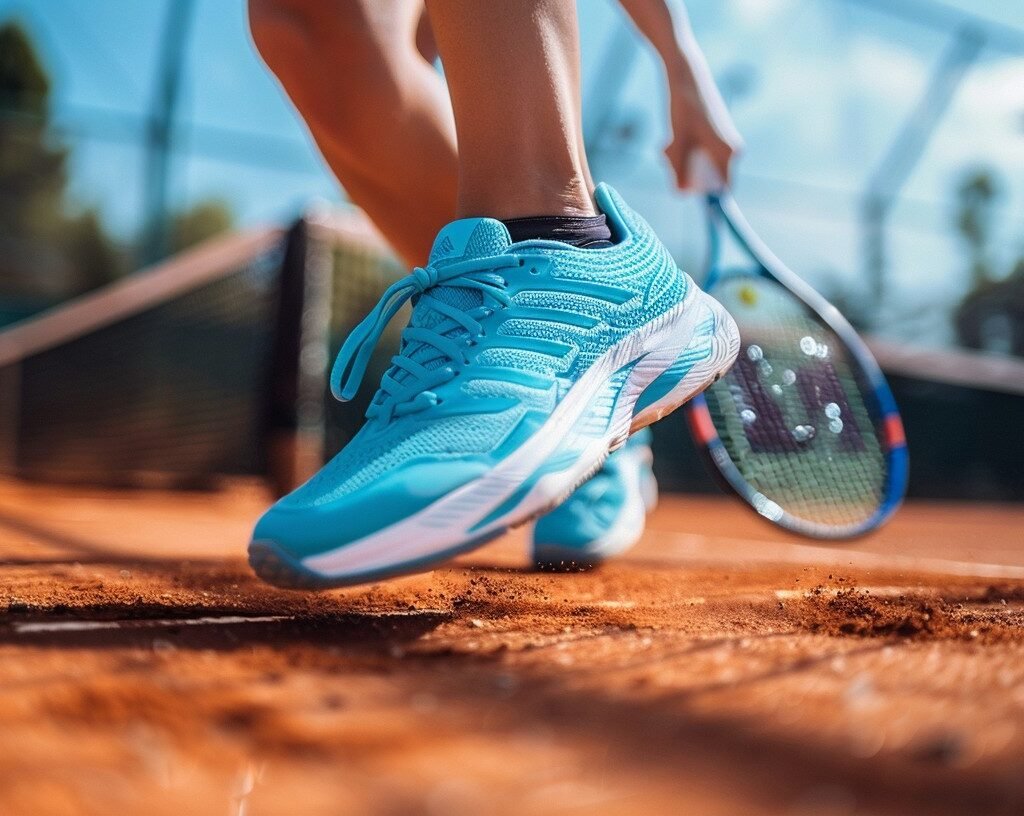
{"x":297,"y":377}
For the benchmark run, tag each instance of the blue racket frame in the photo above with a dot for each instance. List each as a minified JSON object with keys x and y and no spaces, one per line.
{"x":723,"y":210}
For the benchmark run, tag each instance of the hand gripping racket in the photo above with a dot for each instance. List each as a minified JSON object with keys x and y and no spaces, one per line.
{"x":804,"y":428}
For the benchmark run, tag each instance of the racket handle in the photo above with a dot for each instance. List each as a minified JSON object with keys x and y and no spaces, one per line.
{"x":704,"y":177}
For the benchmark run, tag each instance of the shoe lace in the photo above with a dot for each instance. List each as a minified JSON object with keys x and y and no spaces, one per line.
{"x":421,"y":346}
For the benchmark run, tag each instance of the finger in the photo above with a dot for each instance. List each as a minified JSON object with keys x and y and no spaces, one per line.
{"x":682,"y":150}
{"x":719,"y":151}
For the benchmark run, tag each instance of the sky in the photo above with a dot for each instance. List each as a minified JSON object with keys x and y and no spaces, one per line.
{"x":820,"y":90}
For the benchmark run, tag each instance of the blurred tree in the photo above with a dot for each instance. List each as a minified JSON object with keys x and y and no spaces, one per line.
{"x":205,"y":220}
{"x":976,"y":196}
{"x":24,"y":85}
{"x":46,"y":253}
{"x":991,"y":315}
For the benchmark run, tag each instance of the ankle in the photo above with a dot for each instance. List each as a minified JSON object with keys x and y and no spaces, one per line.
{"x":525,"y":194}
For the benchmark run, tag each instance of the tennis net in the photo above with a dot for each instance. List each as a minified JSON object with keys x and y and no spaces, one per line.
{"x":211,"y":363}
{"x":132,"y":383}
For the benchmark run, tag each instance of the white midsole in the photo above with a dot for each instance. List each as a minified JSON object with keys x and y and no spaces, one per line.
{"x":725,"y":346}
{"x":653,"y":347}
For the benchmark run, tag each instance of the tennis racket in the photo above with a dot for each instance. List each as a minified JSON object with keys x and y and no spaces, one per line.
{"x":804,"y":428}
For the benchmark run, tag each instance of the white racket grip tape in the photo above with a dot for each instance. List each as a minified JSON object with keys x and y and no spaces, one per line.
{"x":704,"y":177}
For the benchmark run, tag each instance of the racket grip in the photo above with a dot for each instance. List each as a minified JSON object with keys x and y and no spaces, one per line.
{"x":704,"y":177}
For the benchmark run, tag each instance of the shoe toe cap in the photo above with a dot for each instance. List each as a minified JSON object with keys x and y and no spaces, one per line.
{"x":298,"y":526}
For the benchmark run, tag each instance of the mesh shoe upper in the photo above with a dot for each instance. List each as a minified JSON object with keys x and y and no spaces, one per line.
{"x":563,"y":308}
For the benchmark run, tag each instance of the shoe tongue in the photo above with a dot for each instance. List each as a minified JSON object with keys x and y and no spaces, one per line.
{"x":469,"y":238}
{"x":459,"y":241}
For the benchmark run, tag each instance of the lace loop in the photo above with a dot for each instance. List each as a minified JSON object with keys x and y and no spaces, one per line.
{"x":425,"y":276}
{"x":405,"y":395}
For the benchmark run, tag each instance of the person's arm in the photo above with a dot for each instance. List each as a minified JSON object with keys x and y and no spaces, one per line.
{"x":699,"y":117}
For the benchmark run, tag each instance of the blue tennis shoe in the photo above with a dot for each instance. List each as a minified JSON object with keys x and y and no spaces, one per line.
{"x":522,"y":367}
{"x":607,"y":514}
{"x":604,"y":516}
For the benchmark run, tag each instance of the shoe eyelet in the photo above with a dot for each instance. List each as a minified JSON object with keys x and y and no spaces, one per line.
{"x":534,"y":270}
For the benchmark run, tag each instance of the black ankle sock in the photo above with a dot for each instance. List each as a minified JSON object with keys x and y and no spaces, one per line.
{"x":584,"y":231}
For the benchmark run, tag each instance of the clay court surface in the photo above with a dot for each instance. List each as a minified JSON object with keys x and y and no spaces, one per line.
{"x":719,"y":668}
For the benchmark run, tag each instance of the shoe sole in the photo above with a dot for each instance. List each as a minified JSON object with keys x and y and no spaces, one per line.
{"x":594,"y":418}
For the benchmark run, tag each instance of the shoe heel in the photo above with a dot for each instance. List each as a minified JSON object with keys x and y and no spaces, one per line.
{"x":725,"y":347}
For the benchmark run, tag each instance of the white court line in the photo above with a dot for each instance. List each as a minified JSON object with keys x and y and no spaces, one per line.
{"x":33,"y":627}
{"x":703,"y":548}
{"x":143,"y":623}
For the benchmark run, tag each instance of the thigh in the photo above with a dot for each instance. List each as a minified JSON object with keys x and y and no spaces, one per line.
{"x":381,"y":26}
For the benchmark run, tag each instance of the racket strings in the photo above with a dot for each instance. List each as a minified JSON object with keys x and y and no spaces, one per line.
{"x":793,"y":413}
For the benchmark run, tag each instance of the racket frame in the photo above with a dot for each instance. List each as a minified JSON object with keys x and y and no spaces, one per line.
{"x":723,"y":210}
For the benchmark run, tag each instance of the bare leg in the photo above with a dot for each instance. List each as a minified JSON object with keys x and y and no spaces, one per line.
{"x":513,"y":71}
{"x":376,"y":108}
